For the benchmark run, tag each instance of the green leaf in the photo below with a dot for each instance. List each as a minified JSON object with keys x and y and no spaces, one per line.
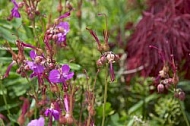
{"x":108,"y":109}
{"x":74,"y":66}
{"x":139,"y":104}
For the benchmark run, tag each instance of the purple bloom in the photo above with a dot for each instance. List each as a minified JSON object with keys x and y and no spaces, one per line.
{"x":37,"y":122}
{"x":61,"y":75}
{"x":64,"y":29}
{"x":35,"y":64}
{"x":14,"y":12}
{"x":52,"y":112}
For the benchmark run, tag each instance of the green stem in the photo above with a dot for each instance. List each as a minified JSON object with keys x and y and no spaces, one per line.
{"x":5,"y":100}
{"x":105,"y":95}
{"x":183,"y":112}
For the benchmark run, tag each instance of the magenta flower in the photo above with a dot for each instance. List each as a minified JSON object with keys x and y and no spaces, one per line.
{"x":52,"y":112}
{"x":64,"y":29}
{"x":37,"y":122}
{"x":14,"y":12}
{"x":60,"y":75}
{"x":35,"y":65}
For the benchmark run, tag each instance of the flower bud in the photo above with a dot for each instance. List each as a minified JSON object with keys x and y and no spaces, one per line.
{"x":62,"y":119}
{"x":18,"y":71}
{"x":160,"y":88}
{"x":99,"y":63}
{"x":38,"y":59}
{"x":26,"y":67}
{"x":21,"y":120}
{"x":37,"y":12}
{"x":20,"y":4}
{"x":170,"y":80}
{"x":54,"y":37}
{"x":181,"y":95}
{"x":54,"y":88}
{"x":59,"y":8}
{"x":69,"y":118}
{"x":116,"y":58}
{"x":103,"y":59}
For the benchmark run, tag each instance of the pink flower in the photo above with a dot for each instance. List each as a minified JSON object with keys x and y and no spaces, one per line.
{"x":37,"y":122}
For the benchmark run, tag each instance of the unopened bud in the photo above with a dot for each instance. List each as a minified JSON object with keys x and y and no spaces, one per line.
{"x":38,"y":59}
{"x":39,"y":51}
{"x":59,"y":8}
{"x":31,"y":16}
{"x":21,"y":120}
{"x":116,"y":58}
{"x":181,"y":95}
{"x":54,"y":88}
{"x":26,"y":67}
{"x":69,"y":120}
{"x":18,"y":70}
{"x":160,"y":88}
{"x":103,"y":59}
{"x":37,"y":12}
{"x":20,"y":4}
{"x":99,"y":63}
{"x":62,"y":119}
{"x":54,"y":37}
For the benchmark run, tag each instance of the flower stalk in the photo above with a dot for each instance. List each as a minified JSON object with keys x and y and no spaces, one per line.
{"x":105,"y":95}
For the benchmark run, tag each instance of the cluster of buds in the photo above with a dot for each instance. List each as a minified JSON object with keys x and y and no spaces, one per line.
{"x":110,"y":58}
{"x":57,"y":32}
{"x":30,"y":9}
{"x":166,"y":82}
{"x":107,"y":56}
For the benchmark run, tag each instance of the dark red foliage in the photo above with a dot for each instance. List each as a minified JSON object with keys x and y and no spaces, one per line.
{"x":165,"y":25}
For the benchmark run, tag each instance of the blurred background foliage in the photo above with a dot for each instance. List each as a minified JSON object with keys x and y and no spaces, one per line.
{"x":127,"y":104}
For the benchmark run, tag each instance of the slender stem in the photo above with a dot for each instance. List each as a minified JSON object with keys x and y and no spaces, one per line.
{"x":105,"y":95}
{"x":183,"y":112}
{"x":5,"y":100}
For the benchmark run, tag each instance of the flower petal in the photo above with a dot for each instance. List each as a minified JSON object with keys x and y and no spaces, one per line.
{"x":65,"y":26}
{"x":54,"y":76}
{"x":65,"y":69}
{"x":70,"y":75}
{"x":31,"y":65}
{"x":39,"y":69}
{"x":55,"y":114}
{"x":32,"y":54}
{"x":37,"y":122}
{"x":46,"y":113}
